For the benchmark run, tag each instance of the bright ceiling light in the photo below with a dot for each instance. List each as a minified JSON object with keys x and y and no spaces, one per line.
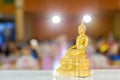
{"x":56,"y":19}
{"x":87,"y":18}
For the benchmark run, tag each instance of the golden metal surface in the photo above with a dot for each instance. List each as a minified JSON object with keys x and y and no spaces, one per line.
{"x":75,"y":62}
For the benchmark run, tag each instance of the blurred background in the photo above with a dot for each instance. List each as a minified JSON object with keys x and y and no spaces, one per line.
{"x":35,"y":34}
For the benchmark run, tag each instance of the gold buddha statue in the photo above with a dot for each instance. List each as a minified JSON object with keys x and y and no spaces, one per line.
{"x":75,"y":62}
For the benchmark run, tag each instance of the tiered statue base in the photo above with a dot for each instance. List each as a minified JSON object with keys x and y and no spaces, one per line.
{"x":74,"y":63}
{"x":83,"y":73}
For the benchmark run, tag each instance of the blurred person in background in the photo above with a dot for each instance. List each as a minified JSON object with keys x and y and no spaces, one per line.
{"x":99,"y":59}
{"x":14,"y":49}
{"x":9,"y":55}
{"x":113,"y":55}
{"x":26,"y":61}
{"x":33,"y":47}
{"x":62,"y":45}
{"x":47,"y":56}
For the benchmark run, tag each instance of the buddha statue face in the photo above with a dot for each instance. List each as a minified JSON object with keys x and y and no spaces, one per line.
{"x":82,"y":29}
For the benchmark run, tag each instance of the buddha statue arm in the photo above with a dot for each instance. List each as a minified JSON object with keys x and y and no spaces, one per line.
{"x":78,"y":42}
{"x":86,"y":42}
{"x":73,"y":47}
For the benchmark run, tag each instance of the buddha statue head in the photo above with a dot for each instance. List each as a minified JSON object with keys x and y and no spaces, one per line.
{"x":82,"y":29}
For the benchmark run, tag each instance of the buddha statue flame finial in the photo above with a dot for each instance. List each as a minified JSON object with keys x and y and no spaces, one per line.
{"x":82,"y":28}
{"x":75,"y":62}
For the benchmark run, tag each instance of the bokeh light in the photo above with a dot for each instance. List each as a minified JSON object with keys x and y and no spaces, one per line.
{"x":87,"y":18}
{"x":56,"y":19}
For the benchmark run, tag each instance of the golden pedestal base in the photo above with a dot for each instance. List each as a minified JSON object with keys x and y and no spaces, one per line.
{"x":75,"y":65}
{"x":83,"y":73}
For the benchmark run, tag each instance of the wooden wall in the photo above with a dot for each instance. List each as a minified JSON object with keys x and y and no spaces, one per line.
{"x":43,"y":29}
{"x":40,"y":11}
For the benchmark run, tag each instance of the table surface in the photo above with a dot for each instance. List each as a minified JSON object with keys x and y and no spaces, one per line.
{"x":108,"y":74}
